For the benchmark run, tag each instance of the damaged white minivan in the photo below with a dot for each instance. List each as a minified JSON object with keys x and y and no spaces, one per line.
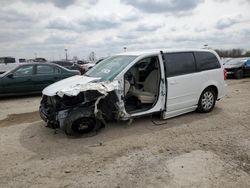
{"x":135,"y":84}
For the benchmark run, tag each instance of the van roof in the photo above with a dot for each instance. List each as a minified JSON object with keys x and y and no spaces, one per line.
{"x":156,"y":51}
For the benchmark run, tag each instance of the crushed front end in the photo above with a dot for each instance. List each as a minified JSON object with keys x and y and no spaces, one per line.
{"x":87,"y":111}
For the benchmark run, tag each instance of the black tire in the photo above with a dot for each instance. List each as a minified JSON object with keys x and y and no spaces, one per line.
{"x":82,"y":122}
{"x":83,"y":127}
{"x":238,"y":74}
{"x":207,"y":101}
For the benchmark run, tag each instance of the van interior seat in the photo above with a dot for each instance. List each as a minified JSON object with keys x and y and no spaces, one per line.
{"x":149,"y":90}
{"x":126,"y":87}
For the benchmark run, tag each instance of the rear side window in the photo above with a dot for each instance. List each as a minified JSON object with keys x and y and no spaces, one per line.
{"x":206,"y":61}
{"x":180,"y":63}
{"x":44,"y":69}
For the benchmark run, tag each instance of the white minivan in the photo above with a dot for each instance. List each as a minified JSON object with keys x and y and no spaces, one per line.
{"x":135,"y":84}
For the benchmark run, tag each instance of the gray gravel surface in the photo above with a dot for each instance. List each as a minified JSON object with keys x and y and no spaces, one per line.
{"x":192,"y":150}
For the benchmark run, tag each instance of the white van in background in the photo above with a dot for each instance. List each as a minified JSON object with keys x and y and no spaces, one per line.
{"x":7,"y":63}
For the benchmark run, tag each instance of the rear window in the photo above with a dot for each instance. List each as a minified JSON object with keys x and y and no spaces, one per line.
{"x":180,"y":63}
{"x":206,"y":60}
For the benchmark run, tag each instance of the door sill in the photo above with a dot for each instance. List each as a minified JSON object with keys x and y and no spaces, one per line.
{"x":167,"y":115}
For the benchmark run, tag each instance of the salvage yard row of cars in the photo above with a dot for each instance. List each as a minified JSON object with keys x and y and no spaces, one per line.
{"x":7,"y":63}
{"x":28,"y":78}
{"x":32,"y":78}
{"x":124,"y":86}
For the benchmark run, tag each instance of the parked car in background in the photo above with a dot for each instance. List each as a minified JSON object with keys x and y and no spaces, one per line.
{"x":22,"y":60}
{"x":69,"y":65}
{"x":88,"y":66}
{"x":29,"y":78}
{"x":7,"y":63}
{"x":40,"y":60}
{"x":81,"y":62}
{"x":238,"y":67}
{"x":224,"y":60}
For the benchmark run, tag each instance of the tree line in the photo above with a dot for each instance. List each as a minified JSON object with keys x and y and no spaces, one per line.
{"x":236,"y":52}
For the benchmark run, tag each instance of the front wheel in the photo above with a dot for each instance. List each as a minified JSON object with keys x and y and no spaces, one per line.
{"x":85,"y":126}
{"x":206,"y":101}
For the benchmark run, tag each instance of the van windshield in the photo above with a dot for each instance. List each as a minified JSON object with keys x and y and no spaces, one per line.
{"x":109,"y":68}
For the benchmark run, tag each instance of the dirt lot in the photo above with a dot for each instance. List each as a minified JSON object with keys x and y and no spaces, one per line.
{"x":193,"y":150}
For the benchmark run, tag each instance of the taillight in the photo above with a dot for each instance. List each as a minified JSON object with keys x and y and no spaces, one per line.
{"x":225,"y":74}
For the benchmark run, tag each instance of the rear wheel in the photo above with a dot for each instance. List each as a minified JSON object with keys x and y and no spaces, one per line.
{"x":206,"y":101}
{"x":238,"y":74}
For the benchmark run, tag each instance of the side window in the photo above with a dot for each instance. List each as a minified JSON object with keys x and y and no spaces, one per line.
{"x":180,"y":63}
{"x":24,"y":71}
{"x":206,"y":60}
{"x":44,"y":69}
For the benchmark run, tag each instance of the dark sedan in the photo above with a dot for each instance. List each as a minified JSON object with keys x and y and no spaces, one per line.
{"x":69,"y":65}
{"x":238,"y":67}
{"x":32,"y":78}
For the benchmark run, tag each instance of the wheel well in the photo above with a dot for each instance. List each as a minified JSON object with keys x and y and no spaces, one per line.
{"x":214,"y":88}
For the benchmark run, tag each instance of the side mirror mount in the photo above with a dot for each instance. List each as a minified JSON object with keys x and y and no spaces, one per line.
{"x":11,"y":75}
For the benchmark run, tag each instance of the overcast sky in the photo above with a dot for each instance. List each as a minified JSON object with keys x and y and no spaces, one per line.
{"x":105,"y":26}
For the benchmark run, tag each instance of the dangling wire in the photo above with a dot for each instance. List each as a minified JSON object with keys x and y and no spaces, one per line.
{"x":156,"y":123}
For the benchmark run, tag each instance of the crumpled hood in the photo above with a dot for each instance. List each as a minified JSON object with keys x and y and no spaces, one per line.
{"x":53,"y":89}
{"x":74,"y":85}
{"x":229,"y":66}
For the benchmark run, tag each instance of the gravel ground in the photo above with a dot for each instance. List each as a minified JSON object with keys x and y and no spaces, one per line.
{"x":193,"y":150}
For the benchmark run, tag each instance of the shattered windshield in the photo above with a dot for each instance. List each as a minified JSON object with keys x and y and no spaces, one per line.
{"x":109,"y":68}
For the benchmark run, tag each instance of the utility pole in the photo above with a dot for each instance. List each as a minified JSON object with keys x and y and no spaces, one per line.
{"x":66,"y":54}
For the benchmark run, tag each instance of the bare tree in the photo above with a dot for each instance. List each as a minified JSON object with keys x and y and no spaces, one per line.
{"x":236,"y":52}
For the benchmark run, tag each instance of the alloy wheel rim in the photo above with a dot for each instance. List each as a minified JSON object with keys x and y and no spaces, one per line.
{"x":207,"y":100}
